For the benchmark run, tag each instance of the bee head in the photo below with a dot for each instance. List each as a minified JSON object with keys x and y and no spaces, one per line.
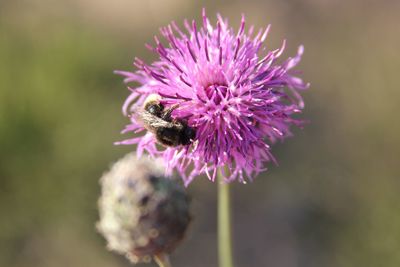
{"x":154,"y":108}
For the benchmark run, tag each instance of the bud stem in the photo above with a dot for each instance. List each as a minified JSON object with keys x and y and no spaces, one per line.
{"x":162,"y":260}
{"x":224,"y":223}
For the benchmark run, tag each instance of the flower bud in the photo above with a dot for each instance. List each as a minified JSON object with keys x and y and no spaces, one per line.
{"x":142,"y":213}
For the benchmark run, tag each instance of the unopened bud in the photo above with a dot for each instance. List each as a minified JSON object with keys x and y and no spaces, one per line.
{"x":142,"y":213}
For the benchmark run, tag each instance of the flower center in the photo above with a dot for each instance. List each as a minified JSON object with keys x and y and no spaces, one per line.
{"x":216,"y":92}
{"x":213,"y":81}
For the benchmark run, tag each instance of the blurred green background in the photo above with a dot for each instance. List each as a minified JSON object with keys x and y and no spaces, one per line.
{"x":334,"y":200}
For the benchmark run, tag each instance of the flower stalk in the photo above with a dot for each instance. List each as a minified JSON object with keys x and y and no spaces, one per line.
{"x":224,"y":223}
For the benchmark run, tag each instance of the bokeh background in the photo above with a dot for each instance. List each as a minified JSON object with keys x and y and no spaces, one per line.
{"x":333,"y":201}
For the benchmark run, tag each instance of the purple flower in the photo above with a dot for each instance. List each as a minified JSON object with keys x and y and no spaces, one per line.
{"x":229,"y":87}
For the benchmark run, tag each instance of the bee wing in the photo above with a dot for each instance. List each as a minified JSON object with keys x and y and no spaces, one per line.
{"x":151,"y":122}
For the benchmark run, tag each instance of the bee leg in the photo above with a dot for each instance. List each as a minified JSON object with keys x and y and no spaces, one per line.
{"x":167,"y":136}
{"x":166,"y":115}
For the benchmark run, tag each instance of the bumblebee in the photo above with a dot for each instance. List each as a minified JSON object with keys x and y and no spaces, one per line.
{"x":158,"y":120}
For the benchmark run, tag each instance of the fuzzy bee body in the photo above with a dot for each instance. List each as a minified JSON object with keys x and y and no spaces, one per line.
{"x":168,"y":131}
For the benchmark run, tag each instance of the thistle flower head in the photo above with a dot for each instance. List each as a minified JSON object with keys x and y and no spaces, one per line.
{"x":142,"y":214}
{"x":228,"y":86}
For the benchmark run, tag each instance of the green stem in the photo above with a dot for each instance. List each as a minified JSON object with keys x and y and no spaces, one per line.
{"x":224,"y":224}
{"x":162,"y":260}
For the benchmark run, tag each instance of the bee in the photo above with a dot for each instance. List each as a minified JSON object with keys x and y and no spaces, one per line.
{"x":168,"y":131}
